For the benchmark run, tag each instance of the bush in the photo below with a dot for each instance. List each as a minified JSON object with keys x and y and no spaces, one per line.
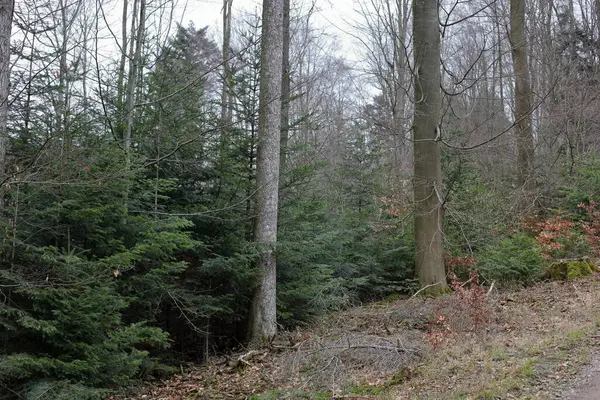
{"x":68,"y":327}
{"x":513,"y":259}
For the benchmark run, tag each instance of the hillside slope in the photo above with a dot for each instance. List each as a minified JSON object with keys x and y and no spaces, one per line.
{"x":527,"y":344}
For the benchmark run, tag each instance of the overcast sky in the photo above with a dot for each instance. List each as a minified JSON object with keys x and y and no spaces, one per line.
{"x":333,"y":15}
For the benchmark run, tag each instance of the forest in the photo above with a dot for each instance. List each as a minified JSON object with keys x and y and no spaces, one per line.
{"x":171,"y":192}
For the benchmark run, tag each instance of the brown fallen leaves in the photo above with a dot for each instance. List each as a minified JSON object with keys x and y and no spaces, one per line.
{"x":534,"y":345}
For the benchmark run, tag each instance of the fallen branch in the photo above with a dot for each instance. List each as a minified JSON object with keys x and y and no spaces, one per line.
{"x":425,"y":287}
{"x":244,"y":358}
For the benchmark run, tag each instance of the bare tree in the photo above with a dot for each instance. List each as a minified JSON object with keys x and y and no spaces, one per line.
{"x":427,"y":159}
{"x":524,"y":133}
{"x":263,"y":324}
{"x":384,"y":34}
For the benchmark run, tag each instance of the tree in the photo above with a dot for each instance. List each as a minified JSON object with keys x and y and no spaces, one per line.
{"x":285,"y":84}
{"x":524,"y":133}
{"x":263,"y":314}
{"x":427,"y":161}
{"x":6,"y":16}
{"x":384,"y":33}
{"x":226,"y":99}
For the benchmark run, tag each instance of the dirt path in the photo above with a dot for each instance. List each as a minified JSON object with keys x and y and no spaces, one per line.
{"x":587,"y":386}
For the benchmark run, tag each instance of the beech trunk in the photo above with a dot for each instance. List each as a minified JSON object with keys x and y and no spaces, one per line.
{"x":263,"y":325}
{"x":427,"y":163}
{"x":523,"y":129}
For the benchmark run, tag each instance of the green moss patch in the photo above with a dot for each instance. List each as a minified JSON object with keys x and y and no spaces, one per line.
{"x":568,"y":270}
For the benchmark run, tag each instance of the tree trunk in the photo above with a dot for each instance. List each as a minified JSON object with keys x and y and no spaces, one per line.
{"x":134,"y":64}
{"x":524,"y":133}
{"x":226,"y":109}
{"x":427,"y":163}
{"x":6,"y":16}
{"x":263,"y":325}
{"x":285,"y":85}
{"x":597,"y":13}
{"x":121,"y":75}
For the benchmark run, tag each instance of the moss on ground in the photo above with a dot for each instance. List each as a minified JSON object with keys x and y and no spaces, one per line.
{"x":569,"y":270}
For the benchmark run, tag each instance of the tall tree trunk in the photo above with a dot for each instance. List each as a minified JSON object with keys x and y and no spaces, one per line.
{"x":121,"y":75}
{"x":524,"y":133}
{"x":226,"y":96}
{"x":263,"y":325}
{"x":399,"y":30}
{"x":597,"y":13}
{"x":427,"y":162}
{"x":134,"y":64}
{"x":226,"y":109}
{"x":6,"y":16}
{"x":285,"y":85}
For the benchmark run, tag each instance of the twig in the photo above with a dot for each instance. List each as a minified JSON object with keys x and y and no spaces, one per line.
{"x":252,"y":353}
{"x":577,"y":290}
{"x":425,"y":287}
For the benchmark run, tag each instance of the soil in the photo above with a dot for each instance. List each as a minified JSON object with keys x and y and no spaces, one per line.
{"x":587,"y":385}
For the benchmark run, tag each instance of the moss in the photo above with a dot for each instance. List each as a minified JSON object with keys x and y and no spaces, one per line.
{"x":270,"y":395}
{"x":434,"y":291}
{"x":568,"y":270}
{"x":367,"y":390}
{"x":392,"y":298}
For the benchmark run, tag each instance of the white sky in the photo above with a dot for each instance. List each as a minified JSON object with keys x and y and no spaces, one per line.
{"x":332,"y":15}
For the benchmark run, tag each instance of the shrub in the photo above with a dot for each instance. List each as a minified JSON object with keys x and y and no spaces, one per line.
{"x":513,"y":259}
{"x":466,"y":310}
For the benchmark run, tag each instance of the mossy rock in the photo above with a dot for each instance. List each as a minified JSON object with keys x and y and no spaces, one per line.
{"x":569,"y":269}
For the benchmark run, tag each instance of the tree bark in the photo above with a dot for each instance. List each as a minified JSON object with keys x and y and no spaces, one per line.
{"x":263,"y":325}
{"x":134,"y":64}
{"x":6,"y":16}
{"x":285,"y":85}
{"x":427,"y":162}
{"x":524,"y":132}
{"x":226,"y":109}
{"x":121,"y":76}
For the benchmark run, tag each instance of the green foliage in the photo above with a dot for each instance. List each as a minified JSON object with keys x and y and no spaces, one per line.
{"x":568,"y":270}
{"x":512,"y":259}
{"x":116,"y":261}
{"x":61,"y":390}
{"x":71,"y":327}
{"x":581,"y":185}
{"x":470,"y":222}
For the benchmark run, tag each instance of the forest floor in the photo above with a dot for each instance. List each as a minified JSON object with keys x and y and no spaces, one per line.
{"x":541,"y":342}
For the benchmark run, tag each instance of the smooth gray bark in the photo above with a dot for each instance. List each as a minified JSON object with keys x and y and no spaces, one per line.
{"x":121,"y":75}
{"x":226,"y":98}
{"x":6,"y":16}
{"x":263,"y":326}
{"x":427,"y":163}
{"x":285,"y":85}
{"x":524,"y":133}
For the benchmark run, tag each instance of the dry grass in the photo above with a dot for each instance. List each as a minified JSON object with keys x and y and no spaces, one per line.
{"x":542,"y":337}
{"x":535,"y":341}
